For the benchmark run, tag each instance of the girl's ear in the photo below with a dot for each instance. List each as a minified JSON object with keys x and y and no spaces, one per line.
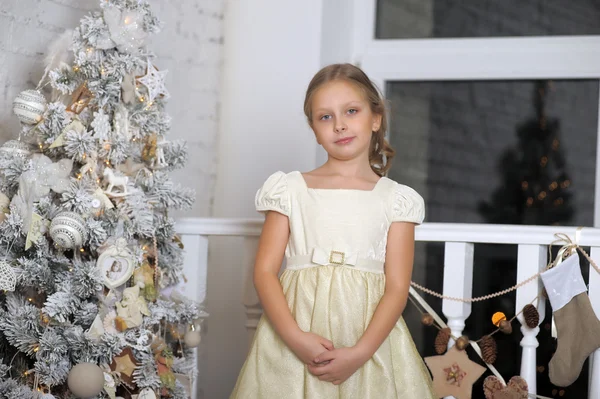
{"x":377,"y":122}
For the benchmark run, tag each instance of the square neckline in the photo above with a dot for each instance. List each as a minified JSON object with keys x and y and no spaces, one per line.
{"x":301,"y":176}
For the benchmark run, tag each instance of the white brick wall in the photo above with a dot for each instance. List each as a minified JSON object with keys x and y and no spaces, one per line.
{"x":189,"y":46}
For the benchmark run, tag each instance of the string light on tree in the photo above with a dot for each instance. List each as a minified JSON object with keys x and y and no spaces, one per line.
{"x":535,"y":185}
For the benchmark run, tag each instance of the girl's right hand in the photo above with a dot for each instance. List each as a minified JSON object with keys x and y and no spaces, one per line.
{"x":309,"y":345}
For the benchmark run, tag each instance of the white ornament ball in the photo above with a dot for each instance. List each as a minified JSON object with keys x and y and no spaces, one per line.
{"x":68,"y":230}
{"x":15,"y":147}
{"x":147,"y":393}
{"x":86,"y":380}
{"x":29,"y":106}
{"x":192,"y":339}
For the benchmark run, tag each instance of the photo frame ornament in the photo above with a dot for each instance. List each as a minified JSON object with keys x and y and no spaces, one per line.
{"x":116,"y":264}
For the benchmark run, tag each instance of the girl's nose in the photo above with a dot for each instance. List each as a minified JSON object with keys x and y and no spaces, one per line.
{"x":340,"y":127}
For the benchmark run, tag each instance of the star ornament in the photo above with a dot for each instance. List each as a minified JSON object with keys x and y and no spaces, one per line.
{"x":125,"y":365}
{"x":154,"y":80}
{"x":454,"y":374}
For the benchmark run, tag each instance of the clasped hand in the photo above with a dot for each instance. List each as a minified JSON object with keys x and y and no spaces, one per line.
{"x":329,"y":364}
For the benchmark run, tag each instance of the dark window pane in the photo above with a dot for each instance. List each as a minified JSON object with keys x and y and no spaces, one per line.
{"x":403,"y":19}
{"x":519,"y":152}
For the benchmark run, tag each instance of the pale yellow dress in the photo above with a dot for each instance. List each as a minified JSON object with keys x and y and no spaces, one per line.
{"x":333,"y":282}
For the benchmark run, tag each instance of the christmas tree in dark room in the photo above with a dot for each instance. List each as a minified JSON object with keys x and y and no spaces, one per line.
{"x":535,"y":189}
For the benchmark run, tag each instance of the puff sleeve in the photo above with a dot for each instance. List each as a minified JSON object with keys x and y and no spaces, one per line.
{"x":407,"y":205}
{"x":274,"y":195}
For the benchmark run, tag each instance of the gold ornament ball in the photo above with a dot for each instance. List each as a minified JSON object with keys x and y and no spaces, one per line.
{"x":192,"y":338}
{"x":86,"y":380}
{"x":462,"y":343}
{"x":427,"y":319}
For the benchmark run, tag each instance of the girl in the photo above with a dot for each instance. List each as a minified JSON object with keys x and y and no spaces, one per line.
{"x":332,"y":326}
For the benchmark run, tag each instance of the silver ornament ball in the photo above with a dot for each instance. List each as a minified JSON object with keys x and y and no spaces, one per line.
{"x":192,"y":338}
{"x":15,"y":147}
{"x":86,"y":380}
{"x":29,"y":106}
{"x":68,"y":230}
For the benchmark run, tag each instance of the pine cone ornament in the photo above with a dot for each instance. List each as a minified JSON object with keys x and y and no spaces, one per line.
{"x":489,"y":349}
{"x":531,"y":316}
{"x":441,"y":341}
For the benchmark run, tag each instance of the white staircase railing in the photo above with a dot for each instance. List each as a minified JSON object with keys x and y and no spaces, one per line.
{"x":459,"y":242}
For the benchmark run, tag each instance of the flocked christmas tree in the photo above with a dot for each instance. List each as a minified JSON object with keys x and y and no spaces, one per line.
{"x":89,"y":258}
{"x":536,"y":189}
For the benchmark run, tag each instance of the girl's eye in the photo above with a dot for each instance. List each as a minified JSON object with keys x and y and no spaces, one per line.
{"x":325,"y":117}
{"x":352,"y":111}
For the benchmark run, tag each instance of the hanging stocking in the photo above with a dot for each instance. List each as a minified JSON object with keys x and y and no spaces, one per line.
{"x":577,"y":324}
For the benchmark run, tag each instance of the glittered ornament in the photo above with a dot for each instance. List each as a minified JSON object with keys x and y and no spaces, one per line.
{"x":86,"y":380}
{"x":126,"y":28}
{"x":15,"y":147}
{"x":427,"y":319}
{"x":154,"y":80}
{"x":29,"y":106}
{"x":192,"y":338}
{"x":8,"y":278}
{"x":45,"y":175}
{"x":68,"y":230}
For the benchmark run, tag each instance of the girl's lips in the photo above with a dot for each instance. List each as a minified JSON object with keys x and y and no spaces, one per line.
{"x":345,"y":140}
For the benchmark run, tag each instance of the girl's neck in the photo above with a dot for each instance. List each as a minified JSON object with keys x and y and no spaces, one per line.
{"x":355,"y":168}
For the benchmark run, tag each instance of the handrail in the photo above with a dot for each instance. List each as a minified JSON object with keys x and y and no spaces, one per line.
{"x":431,"y":232}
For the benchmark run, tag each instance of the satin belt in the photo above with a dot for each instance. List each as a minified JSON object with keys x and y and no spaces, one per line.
{"x":325,"y":257}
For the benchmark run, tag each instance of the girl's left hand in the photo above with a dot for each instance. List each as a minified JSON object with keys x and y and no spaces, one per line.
{"x":337,"y":365}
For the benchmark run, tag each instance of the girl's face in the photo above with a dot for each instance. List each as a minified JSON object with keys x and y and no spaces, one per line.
{"x":342,"y":120}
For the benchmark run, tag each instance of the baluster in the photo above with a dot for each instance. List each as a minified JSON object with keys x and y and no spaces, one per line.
{"x":458,"y":282}
{"x":531,"y":259}
{"x":195,"y":266}
{"x":250,"y":297}
{"x":594,"y":294}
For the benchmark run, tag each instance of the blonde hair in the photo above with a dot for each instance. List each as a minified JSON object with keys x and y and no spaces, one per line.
{"x":380,"y":151}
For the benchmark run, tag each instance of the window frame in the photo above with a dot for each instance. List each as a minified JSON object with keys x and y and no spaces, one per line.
{"x":465,"y":59}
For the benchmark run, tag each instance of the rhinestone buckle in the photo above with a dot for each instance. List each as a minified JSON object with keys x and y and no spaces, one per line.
{"x":337,"y":258}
